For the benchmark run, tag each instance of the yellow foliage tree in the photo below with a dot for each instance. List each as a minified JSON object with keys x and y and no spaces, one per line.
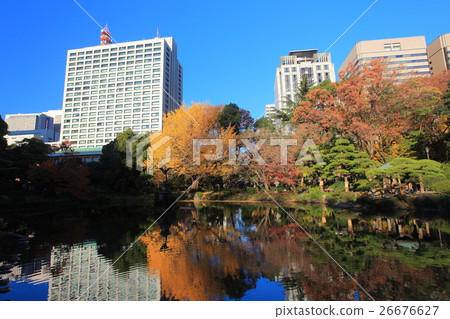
{"x":181,"y":129}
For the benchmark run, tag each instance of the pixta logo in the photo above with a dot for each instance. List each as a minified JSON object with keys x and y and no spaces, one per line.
{"x":308,"y":152}
{"x":145,"y":142}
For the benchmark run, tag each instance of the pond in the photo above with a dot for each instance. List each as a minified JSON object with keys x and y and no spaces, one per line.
{"x":222,"y":251}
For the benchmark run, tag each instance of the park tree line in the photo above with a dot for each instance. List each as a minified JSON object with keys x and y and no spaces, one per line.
{"x":371,"y":131}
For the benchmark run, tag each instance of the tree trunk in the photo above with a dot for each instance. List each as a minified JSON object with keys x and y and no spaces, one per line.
{"x":324,"y":216}
{"x":346,"y":183}
{"x":420,"y":233}
{"x":195,"y":183}
{"x":401,"y":190}
{"x":422,"y":189}
{"x":427,"y":227}
{"x":321,"y":184}
{"x":350,"y":226}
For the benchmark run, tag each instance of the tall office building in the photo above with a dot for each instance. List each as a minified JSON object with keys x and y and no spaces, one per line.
{"x":407,"y":55}
{"x":316,"y":66}
{"x":439,"y":54}
{"x":113,"y":87}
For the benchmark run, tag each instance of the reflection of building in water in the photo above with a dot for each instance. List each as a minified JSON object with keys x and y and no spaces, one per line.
{"x":77,"y":268}
{"x":293,"y":291}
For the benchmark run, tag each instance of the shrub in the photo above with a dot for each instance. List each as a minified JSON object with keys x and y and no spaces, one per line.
{"x":348,"y":196}
{"x":364,"y":185}
{"x":333,"y":198}
{"x":442,"y":187}
{"x":314,"y":194}
{"x":340,"y":196}
{"x":251,"y":190}
{"x":338,"y":186}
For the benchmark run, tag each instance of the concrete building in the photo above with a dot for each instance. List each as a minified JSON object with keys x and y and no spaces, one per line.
{"x":270,"y":111}
{"x":57,"y":119}
{"x":110,"y":88}
{"x":317,"y":67}
{"x":438,"y":53}
{"x":32,"y":125}
{"x":407,"y":55}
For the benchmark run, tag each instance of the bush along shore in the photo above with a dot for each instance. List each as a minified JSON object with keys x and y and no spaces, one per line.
{"x":338,"y":198}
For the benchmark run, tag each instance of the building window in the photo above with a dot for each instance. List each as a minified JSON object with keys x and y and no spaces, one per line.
{"x":392,"y":46}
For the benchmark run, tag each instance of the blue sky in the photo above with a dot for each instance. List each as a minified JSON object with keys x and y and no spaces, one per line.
{"x":229,"y":49}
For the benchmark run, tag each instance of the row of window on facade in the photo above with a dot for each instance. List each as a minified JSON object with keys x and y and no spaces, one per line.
{"x":112,"y":71}
{"x":73,"y":61}
{"x":123,"y":48}
{"x":98,"y":130}
{"x":127,"y":121}
{"x":85,"y":159}
{"x":113,"y":64}
{"x":90,"y":56}
{"x":308,"y":70}
{"x":287,"y":78}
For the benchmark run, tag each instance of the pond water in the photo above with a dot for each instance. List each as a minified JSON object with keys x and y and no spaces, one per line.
{"x":218,"y":251}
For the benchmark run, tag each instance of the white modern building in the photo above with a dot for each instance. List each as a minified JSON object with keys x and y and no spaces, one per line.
{"x":270,"y":111}
{"x":110,"y":88}
{"x":317,"y":67}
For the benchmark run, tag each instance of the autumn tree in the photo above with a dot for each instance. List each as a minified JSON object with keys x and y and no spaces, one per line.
{"x":429,"y":120}
{"x":25,"y":154}
{"x":68,"y":177}
{"x":192,"y":131}
{"x":364,"y":107}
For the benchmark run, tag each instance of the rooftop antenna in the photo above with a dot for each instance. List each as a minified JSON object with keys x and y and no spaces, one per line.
{"x":92,"y":18}
{"x":157,"y":32}
{"x":105,"y":36}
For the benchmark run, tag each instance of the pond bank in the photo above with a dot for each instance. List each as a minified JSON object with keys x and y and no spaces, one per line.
{"x":429,"y":201}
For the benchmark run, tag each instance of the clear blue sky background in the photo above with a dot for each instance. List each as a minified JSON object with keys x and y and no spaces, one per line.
{"x":229,"y":49}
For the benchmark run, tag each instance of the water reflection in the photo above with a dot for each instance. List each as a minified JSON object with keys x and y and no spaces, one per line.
{"x":223,"y":252}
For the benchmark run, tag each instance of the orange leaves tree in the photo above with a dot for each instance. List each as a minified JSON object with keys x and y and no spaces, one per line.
{"x":369,"y":107}
{"x":184,"y":127}
{"x":68,"y":177}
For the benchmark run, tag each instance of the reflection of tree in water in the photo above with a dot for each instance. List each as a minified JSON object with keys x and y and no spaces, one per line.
{"x":236,"y":286}
{"x":368,"y":248}
{"x":207,"y":258}
{"x":201,"y":262}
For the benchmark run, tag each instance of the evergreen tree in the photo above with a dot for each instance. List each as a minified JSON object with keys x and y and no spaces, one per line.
{"x":264,"y":123}
{"x":344,"y":161}
{"x":287,"y":113}
{"x":230,"y":115}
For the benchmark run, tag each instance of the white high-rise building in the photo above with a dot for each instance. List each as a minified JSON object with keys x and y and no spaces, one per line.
{"x":316,"y":66}
{"x":113,"y":87}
